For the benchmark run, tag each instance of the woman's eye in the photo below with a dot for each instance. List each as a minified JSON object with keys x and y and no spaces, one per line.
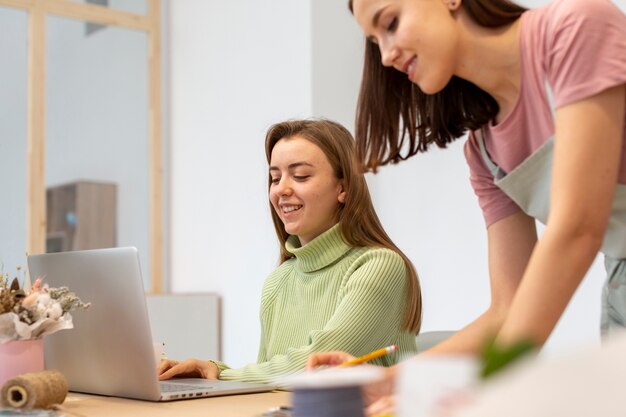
{"x":301,"y":177}
{"x":274,"y":180}
{"x":392,"y":25}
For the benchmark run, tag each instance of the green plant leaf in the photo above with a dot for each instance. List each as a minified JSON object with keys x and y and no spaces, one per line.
{"x":495,"y":358}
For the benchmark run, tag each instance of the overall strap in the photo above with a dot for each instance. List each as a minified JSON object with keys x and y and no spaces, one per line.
{"x":496,"y":171}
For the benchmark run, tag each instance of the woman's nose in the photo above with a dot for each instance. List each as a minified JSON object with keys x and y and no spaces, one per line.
{"x":389,"y":54}
{"x":283,"y":187}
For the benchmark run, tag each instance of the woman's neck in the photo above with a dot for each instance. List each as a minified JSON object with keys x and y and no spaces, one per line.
{"x":490,"y":58}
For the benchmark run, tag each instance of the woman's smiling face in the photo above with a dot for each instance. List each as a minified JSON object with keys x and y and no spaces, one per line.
{"x":304,"y":190}
{"x":416,"y":37}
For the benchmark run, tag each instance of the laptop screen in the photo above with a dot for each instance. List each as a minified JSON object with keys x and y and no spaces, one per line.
{"x":109,"y":351}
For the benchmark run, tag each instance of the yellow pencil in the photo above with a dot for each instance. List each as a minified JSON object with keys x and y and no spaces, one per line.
{"x":375,"y":354}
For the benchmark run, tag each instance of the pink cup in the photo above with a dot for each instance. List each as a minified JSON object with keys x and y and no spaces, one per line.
{"x":19,"y":357}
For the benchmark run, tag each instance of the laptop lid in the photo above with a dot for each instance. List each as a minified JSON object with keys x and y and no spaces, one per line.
{"x":110,"y":350}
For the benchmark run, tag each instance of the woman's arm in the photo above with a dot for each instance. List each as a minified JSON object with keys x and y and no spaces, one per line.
{"x":369,"y":316}
{"x":529,"y":293}
{"x":511,"y":241}
{"x":589,"y":136}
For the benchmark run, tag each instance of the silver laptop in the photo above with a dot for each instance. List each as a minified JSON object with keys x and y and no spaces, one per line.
{"x":110,"y":349}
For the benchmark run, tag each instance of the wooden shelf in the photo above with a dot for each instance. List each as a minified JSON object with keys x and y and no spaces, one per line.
{"x":81,"y":215}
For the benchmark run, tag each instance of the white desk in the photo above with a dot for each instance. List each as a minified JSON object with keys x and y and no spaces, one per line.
{"x":245,"y":405}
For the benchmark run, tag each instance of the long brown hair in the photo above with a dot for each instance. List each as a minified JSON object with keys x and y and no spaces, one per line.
{"x":358,"y":222}
{"x":394,"y":116}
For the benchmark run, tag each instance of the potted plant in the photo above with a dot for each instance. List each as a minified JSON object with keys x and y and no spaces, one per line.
{"x":26,"y":316}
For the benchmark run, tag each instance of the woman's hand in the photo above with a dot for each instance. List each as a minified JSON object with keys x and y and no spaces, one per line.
{"x":327,"y":359}
{"x":189,"y":368}
{"x":377,"y":394}
{"x":383,"y":406}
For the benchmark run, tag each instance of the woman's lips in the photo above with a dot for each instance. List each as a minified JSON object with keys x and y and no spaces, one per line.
{"x":410,"y":67}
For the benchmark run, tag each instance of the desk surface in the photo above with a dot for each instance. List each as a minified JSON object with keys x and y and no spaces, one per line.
{"x":245,"y":405}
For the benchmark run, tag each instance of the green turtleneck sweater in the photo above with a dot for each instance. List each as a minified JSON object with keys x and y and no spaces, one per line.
{"x":330,"y":296}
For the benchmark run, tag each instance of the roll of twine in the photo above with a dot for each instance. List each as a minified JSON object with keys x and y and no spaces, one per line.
{"x":34,"y":390}
{"x":328,"y":402}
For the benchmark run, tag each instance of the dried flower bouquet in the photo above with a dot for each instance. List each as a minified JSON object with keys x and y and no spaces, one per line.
{"x":34,"y":313}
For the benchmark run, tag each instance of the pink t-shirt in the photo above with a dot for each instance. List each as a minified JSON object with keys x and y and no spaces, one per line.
{"x":579,"y":48}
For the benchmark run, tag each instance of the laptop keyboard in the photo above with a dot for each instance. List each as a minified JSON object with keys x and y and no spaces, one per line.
{"x":173,"y":387}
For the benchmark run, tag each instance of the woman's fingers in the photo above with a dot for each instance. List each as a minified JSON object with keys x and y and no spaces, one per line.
{"x":165,"y":365}
{"x":188,"y":368}
{"x":176,"y":369}
{"x":385,"y":405}
{"x":377,"y":395}
{"x":328,"y":359}
{"x":384,"y":387}
{"x":169,"y":372}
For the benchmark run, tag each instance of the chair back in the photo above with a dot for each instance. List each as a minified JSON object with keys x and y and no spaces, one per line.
{"x":426,"y":340}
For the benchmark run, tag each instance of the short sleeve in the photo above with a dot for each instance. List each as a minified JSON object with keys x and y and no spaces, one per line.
{"x":494,"y":203}
{"x":586,"y":53}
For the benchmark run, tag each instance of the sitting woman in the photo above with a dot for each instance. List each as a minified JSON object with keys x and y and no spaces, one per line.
{"x":342,"y":283}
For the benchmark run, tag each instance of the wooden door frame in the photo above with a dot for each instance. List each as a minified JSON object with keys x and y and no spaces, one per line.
{"x":38,"y":11}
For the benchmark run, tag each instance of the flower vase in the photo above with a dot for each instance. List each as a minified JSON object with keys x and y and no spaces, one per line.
{"x":19,"y":357}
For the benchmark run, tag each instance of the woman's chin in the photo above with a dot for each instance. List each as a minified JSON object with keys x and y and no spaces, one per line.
{"x":431,"y":87}
{"x":291,"y":228}
{"x":428,"y":90}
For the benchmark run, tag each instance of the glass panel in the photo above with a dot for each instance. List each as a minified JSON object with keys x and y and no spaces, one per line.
{"x":97,"y":138}
{"x":13,"y":137}
{"x":132,"y":6}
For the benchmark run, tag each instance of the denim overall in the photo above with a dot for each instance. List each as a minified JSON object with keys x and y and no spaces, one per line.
{"x":529,"y":186}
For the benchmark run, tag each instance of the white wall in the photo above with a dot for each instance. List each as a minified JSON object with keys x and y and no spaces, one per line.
{"x":337,"y":53}
{"x":13,"y":95}
{"x":239,"y":66}
{"x":236,"y":68}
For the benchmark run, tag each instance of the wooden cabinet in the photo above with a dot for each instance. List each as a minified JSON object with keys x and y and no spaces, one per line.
{"x":81,"y":215}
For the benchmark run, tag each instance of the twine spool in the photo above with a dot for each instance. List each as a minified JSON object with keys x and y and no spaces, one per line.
{"x":334,"y":392}
{"x":329,"y":402}
{"x":34,"y":390}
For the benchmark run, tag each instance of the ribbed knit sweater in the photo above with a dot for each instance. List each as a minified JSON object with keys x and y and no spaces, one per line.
{"x":330,"y":296}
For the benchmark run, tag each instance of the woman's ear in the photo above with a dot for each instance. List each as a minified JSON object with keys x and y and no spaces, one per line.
{"x":453,"y":5}
{"x":341,"y":197}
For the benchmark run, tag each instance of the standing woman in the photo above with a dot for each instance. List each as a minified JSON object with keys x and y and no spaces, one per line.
{"x":342,"y":284}
{"x":542,"y":94}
